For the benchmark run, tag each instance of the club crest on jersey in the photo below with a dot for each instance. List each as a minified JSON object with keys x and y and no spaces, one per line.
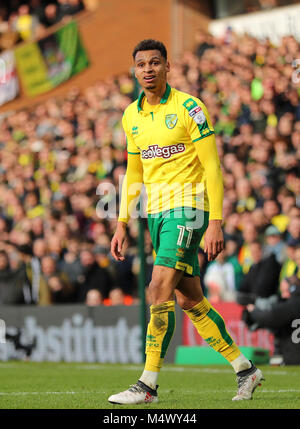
{"x":171,"y":120}
{"x":198,"y":115}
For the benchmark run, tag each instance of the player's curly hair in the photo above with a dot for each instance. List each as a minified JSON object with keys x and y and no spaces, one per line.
{"x":150,"y":45}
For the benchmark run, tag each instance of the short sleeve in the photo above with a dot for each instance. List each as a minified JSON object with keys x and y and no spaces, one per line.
{"x":197,"y":120}
{"x":131,"y":146}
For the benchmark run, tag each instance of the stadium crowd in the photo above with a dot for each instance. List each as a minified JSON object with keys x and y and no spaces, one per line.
{"x":54,"y":239}
{"x":25,"y":21}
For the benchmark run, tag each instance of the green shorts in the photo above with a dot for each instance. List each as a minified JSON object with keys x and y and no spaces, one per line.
{"x":176,"y":235}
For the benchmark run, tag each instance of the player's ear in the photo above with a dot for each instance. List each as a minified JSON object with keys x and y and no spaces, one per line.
{"x":168,"y":67}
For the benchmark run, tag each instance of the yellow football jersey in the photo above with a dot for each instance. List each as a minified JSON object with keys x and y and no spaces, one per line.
{"x":164,"y":137}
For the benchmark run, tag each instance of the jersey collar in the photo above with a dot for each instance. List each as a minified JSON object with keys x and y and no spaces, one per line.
{"x":163,"y":100}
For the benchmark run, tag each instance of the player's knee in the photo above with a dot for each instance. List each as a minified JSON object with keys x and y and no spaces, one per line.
{"x":153,"y":286}
{"x":184,"y":302}
{"x":159,"y":291}
{"x":155,"y":290}
{"x":181,"y":301}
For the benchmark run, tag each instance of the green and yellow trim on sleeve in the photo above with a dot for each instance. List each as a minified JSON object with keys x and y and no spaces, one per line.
{"x":203,"y":127}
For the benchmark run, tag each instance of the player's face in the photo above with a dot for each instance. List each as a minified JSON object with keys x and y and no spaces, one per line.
{"x":151,"y":69}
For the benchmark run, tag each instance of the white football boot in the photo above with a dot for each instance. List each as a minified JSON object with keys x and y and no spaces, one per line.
{"x":138,"y":393}
{"x":248,"y":380}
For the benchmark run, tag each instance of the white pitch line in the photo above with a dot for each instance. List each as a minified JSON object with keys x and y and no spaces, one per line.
{"x":128,"y":367}
{"x":48,"y":393}
{"x":282,"y":391}
{"x":188,"y":392}
{"x":175,"y":369}
{"x":185,"y":392}
{"x":221,"y":371}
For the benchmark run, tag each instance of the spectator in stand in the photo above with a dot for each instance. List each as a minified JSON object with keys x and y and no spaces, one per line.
{"x":63,"y":8}
{"x":293,"y":229}
{"x":232,"y":225}
{"x":3,"y":23}
{"x":36,"y":228}
{"x":289,"y":267}
{"x":3,"y":17}
{"x":245,"y":197}
{"x":9,"y":34}
{"x":94,"y":298}
{"x":274,"y":244}
{"x":262,"y":280}
{"x":58,"y":289}
{"x":271,"y":209}
{"x":69,"y":7}
{"x":55,"y":249}
{"x":28,"y":20}
{"x":294,"y":212}
{"x":223,"y":276}
{"x":76,"y":6}
{"x":39,"y":250}
{"x":70,"y":264}
{"x":281,"y":316}
{"x":203,"y":42}
{"x":287,"y":201}
{"x":118,"y":297}
{"x":11,"y":287}
{"x":51,"y":15}
{"x":103,"y":259}
{"x":245,"y":257}
{"x":37,"y":9}
{"x":93,"y":277}
{"x":259,"y":220}
{"x":26,"y":23}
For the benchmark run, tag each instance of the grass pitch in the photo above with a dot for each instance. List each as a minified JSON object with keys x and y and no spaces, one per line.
{"x":30,"y":385}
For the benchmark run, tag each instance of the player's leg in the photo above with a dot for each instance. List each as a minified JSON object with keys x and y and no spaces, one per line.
{"x":159,"y":333}
{"x":175,"y":241}
{"x":210,"y":325}
{"x":208,"y":322}
{"x":162,"y":320}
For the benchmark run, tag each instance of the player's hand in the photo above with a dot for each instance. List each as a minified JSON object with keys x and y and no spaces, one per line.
{"x":117,"y":242}
{"x":213,"y":239}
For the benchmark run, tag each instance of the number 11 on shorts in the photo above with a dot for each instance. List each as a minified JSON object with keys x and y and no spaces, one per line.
{"x":181,"y":235}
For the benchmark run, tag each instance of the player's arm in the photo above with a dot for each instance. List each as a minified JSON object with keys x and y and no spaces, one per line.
{"x":131,"y":189}
{"x":200,"y":129}
{"x":208,"y":155}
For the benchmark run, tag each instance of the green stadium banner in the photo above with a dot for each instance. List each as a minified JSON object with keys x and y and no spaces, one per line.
{"x":47,"y":63}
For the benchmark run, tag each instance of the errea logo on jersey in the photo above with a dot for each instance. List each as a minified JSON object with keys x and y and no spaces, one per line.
{"x":154,"y":151}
